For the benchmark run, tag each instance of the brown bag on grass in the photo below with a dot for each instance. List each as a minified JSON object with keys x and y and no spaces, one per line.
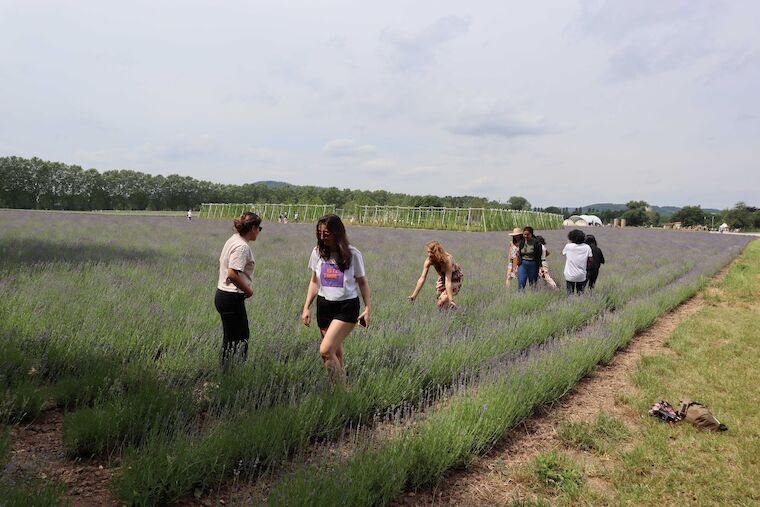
{"x":698,"y":415}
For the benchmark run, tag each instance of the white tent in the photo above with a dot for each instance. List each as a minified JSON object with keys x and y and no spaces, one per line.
{"x":723,"y":227}
{"x":592,"y":220}
{"x":584,"y":220}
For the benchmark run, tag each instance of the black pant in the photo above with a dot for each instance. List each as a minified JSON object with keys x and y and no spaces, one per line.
{"x":231,"y":307}
{"x":575,"y":287}
{"x":593,"y":273}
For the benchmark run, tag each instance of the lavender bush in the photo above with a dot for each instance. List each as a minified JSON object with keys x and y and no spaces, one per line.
{"x":125,"y":303}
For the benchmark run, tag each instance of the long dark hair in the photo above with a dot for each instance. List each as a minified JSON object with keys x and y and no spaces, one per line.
{"x":342,"y":254}
{"x":246,"y":222}
{"x":590,"y":240}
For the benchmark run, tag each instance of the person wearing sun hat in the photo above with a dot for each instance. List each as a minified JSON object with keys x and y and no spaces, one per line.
{"x":513,"y":254}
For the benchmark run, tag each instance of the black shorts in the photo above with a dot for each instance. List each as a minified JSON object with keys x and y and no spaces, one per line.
{"x":327,"y":311}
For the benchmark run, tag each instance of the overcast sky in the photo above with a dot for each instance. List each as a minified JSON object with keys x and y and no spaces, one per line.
{"x":564,"y":102}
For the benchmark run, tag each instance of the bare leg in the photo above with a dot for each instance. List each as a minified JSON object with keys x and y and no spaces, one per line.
{"x":331,"y":346}
{"x":444,"y":303}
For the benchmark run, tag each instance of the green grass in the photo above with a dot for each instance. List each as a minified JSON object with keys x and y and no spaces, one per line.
{"x":558,"y":472}
{"x":594,"y":436}
{"x":715,"y":357}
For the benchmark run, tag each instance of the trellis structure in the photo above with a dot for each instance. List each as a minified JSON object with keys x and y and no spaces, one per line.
{"x":469,"y":219}
{"x":460,"y":219}
{"x":269,"y":212}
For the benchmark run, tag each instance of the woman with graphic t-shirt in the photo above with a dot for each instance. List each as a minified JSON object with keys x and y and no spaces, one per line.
{"x":337,"y":277}
{"x":236,"y":265}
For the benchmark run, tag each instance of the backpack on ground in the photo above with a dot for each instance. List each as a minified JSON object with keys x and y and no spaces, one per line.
{"x":665,"y":412}
{"x":698,"y":415}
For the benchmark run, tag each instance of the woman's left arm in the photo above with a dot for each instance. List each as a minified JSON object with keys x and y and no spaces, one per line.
{"x":363,"y":284}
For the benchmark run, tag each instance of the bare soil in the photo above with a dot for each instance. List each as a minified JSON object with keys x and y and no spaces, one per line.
{"x":38,"y":452}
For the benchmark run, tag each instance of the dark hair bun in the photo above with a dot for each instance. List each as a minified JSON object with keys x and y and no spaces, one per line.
{"x":246,"y":222}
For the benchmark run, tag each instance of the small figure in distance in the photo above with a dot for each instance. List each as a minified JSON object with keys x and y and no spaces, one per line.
{"x":513,"y":254}
{"x":189,"y":215}
{"x":543,"y":270}
{"x":450,"y":276}
{"x":595,"y":263}
{"x":236,"y":264}
{"x":337,"y":277}
{"x":578,"y":256}
{"x":531,"y":252}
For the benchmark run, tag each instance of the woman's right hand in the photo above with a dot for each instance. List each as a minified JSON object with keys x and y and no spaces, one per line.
{"x":410,"y":299}
{"x":306,"y":317}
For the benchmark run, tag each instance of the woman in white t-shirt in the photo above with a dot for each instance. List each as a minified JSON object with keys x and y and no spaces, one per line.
{"x":578,"y":256}
{"x":337,"y":277}
{"x":236,"y":264}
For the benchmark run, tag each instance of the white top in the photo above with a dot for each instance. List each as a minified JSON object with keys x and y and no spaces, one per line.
{"x":577,"y":259}
{"x":334,"y":284}
{"x":236,"y":255}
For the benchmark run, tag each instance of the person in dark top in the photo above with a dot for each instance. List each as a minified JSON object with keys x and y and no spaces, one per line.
{"x":531,"y":252}
{"x":596,"y":261}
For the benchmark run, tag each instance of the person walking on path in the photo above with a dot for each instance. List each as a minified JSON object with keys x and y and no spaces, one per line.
{"x":543,"y":270}
{"x":236,"y":265}
{"x":531,"y":252}
{"x":513,"y":254}
{"x":596,"y":261}
{"x":577,"y":256}
{"x":450,"y":276}
{"x":189,"y":215}
{"x":337,"y":277}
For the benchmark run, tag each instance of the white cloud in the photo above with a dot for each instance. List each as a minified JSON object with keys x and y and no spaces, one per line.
{"x":412,"y":52}
{"x":348,"y":148}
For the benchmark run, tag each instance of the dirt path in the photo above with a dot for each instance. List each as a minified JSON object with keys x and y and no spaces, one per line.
{"x":484,"y":483}
{"x":38,"y":452}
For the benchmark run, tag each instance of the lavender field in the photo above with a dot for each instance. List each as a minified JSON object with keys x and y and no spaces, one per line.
{"x":111,"y":318}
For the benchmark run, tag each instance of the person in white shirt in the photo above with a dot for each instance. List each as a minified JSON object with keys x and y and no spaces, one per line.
{"x":337,"y":277}
{"x":189,"y":215}
{"x":236,"y":264}
{"x":578,"y":256}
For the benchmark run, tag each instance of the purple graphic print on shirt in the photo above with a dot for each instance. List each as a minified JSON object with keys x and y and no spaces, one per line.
{"x":331,"y":275}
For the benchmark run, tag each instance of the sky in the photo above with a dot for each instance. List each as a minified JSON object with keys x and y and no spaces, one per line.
{"x":563,"y":102}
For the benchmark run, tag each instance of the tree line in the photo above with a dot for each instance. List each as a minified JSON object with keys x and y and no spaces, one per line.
{"x":39,"y":184}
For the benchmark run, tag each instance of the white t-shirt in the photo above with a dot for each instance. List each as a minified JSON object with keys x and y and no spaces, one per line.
{"x":236,"y":255}
{"x":334,"y":284}
{"x":577,"y":259}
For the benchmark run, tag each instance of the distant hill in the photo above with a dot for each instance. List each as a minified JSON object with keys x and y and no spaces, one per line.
{"x":272,"y":184}
{"x":664,"y":211}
